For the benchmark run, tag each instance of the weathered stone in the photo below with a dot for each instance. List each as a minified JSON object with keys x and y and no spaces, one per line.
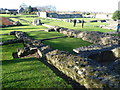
{"x":83,"y":70}
{"x":25,"y":51}
{"x":17,"y":23}
{"x":36,"y":22}
{"x":12,"y":33}
{"x":116,"y":52}
{"x":11,"y":41}
{"x":49,"y":29}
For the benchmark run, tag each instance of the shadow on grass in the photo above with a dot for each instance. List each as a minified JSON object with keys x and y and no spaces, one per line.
{"x":6,"y":62}
{"x":19,"y":28}
{"x":73,"y":83}
{"x":15,"y":26}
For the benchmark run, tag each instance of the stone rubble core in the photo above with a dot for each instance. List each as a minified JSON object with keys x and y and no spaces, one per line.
{"x":85,"y":71}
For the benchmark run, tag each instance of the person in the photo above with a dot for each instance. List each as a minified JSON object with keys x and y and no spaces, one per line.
{"x":118,"y":28}
{"x":82,"y":23}
{"x":74,"y":21}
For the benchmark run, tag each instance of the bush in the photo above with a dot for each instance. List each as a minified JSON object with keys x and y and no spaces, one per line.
{"x":116,"y":15}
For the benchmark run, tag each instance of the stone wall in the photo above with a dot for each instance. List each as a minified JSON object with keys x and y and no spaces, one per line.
{"x":56,"y":15}
{"x":83,"y":70}
{"x":90,"y":36}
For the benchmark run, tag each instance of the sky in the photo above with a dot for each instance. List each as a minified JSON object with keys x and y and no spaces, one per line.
{"x":66,"y":5}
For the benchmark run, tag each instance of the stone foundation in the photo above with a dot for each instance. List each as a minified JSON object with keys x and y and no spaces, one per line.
{"x":85,"y":71}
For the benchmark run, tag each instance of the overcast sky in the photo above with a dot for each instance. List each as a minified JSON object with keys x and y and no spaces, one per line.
{"x":66,"y":5}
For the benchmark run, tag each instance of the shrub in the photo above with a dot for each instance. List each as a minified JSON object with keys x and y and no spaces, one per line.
{"x":116,"y":15}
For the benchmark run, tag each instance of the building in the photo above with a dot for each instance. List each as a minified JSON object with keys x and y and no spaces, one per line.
{"x":20,"y":10}
{"x":103,"y":16}
{"x":56,"y":15}
{"x":11,"y":11}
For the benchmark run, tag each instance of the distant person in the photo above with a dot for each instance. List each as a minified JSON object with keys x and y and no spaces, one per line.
{"x":74,"y":21}
{"x":79,"y":21}
{"x":82,"y":23}
{"x":118,"y":28}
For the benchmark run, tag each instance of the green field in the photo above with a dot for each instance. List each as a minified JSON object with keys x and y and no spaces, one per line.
{"x":65,"y":44}
{"x":31,"y":72}
{"x":27,"y":73}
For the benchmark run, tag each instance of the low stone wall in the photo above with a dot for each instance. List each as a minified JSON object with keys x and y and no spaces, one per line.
{"x":87,"y":51}
{"x":83,"y":70}
{"x":11,"y":41}
{"x":90,"y":36}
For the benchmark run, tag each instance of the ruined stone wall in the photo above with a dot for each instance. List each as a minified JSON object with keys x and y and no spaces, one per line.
{"x":83,"y":70}
{"x":91,"y":36}
{"x":94,"y":37}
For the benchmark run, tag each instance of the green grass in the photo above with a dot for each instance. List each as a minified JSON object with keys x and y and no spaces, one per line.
{"x":6,"y":37}
{"x":23,"y":28}
{"x":18,"y":15}
{"x":85,"y":19}
{"x":30,"y":73}
{"x":26,"y":27}
{"x":87,"y":26}
{"x":27,"y":73}
{"x":44,"y":35}
{"x":116,"y":35}
{"x":65,"y":44}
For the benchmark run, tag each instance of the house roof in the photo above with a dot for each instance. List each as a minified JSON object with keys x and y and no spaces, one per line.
{"x":12,"y":10}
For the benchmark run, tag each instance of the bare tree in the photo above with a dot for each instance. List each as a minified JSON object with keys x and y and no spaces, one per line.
{"x":23,"y":5}
{"x":46,"y":8}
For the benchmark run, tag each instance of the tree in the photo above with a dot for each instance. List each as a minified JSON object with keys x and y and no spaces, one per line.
{"x":46,"y":8}
{"x":116,"y":15}
{"x":29,"y":9}
{"x":23,"y":5}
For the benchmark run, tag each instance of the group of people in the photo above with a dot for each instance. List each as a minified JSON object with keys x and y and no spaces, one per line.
{"x":75,"y":21}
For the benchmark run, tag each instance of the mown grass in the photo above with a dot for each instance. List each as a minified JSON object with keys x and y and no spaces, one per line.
{"x":30,"y":73}
{"x":85,"y":19}
{"x":6,"y":37}
{"x":27,"y":73}
{"x":18,"y":15}
{"x":44,"y":35}
{"x":87,"y":26}
{"x":23,"y":28}
{"x":65,"y":44}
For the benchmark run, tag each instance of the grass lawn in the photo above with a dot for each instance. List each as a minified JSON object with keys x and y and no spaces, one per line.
{"x":27,"y":73}
{"x":85,"y":19}
{"x":87,"y":26}
{"x":44,"y":35}
{"x":6,"y":37}
{"x":65,"y":44}
{"x":23,"y":28}
{"x":18,"y":15}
